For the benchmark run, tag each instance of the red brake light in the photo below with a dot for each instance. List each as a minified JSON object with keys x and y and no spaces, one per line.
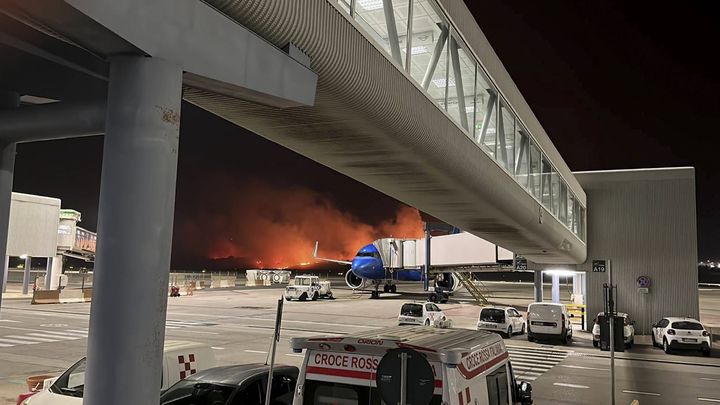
{"x":671,"y":331}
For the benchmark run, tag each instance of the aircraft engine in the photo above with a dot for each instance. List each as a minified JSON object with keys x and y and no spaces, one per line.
{"x":449,"y":281}
{"x":354,"y":281}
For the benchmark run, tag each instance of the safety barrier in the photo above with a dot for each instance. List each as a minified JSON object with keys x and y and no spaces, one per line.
{"x":64,"y":296}
{"x":577,"y":313}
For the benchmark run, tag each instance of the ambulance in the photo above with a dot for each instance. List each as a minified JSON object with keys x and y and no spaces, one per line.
{"x":470,"y":367}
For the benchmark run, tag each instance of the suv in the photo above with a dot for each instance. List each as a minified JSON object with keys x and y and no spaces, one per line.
{"x":303,"y":287}
{"x":628,"y":329}
{"x":506,"y":320}
{"x":681,"y":333}
{"x":428,"y":314}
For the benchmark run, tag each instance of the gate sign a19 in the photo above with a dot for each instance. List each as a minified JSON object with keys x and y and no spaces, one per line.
{"x":598,"y":266}
{"x":643,"y":282}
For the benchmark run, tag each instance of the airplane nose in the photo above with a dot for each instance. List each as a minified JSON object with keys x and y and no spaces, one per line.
{"x":365,"y":268}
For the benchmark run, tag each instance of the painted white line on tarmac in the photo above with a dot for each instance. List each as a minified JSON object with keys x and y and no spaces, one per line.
{"x":4,"y":345}
{"x":709,"y":379}
{"x":255,"y":351}
{"x":294,"y":355}
{"x":652,"y":394}
{"x":48,"y":336}
{"x":217,"y":348}
{"x":15,"y":341}
{"x":708,"y":399}
{"x":196,"y":331}
{"x":32,"y":338}
{"x":571,"y":385}
{"x":9,"y":320}
{"x":583,"y":367}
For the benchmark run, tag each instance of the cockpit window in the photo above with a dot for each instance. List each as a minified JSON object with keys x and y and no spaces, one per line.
{"x":369,"y":254}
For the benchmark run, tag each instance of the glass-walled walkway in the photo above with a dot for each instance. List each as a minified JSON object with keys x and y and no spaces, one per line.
{"x":418,"y":37}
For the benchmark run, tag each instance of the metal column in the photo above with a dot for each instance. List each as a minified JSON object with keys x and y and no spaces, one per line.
{"x":8,"y":100}
{"x":426,"y":267}
{"x":538,"y":286}
{"x":393,"y":37}
{"x":26,"y":274}
{"x":556,"y":288}
{"x":4,"y":275}
{"x":135,"y":224}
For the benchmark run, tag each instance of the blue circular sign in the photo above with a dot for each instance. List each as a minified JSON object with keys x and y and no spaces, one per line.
{"x":643,"y":282}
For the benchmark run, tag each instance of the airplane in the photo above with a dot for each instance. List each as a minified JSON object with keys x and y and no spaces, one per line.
{"x":389,"y":260}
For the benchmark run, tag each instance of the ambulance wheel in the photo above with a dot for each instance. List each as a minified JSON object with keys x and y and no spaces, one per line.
{"x":427,"y":322}
{"x":302,"y":297}
{"x":393,"y":288}
{"x":315,"y":297}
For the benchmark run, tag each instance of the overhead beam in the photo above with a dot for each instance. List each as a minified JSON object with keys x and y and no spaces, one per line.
{"x":488,"y":115}
{"x":53,"y":121}
{"x":459,"y":89}
{"x":435,"y":57}
{"x":392,"y":31}
{"x":216,"y":52}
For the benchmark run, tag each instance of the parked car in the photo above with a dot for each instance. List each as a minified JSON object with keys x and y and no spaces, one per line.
{"x":681,"y":333}
{"x":506,"y":320}
{"x":414,"y":313}
{"x":628,"y":329}
{"x":67,"y":389}
{"x":302,"y":288}
{"x":234,"y":385}
{"x":548,"y":321}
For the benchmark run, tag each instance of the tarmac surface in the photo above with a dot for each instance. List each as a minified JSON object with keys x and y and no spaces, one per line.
{"x":238,"y":324}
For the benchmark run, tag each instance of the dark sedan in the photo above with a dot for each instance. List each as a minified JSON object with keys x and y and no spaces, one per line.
{"x":234,"y":385}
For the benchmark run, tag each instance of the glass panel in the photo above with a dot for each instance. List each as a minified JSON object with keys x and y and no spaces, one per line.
{"x":485,"y":122}
{"x":546,"y":180}
{"x":535,"y":166}
{"x":428,"y":29}
{"x":555,"y":179}
{"x":571,"y":212}
{"x":506,"y":139}
{"x":371,"y":16}
{"x":563,"y":202}
{"x":522,"y":156}
{"x":582,"y":224}
{"x":461,"y":110}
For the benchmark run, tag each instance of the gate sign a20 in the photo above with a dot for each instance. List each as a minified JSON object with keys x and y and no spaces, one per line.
{"x":643,"y":282}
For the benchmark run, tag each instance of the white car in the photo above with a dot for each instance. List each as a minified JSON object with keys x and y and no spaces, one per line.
{"x":547,"y":320}
{"x":681,"y":333}
{"x":506,"y":320}
{"x":414,"y":313}
{"x":302,"y":288}
{"x":67,"y":389}
{"x":628,"y":329}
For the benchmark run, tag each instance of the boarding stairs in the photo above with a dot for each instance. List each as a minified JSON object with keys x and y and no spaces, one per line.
{"x":475,"y":288}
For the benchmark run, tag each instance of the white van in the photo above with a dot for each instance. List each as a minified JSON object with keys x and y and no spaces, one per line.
{"x":547,"y":320}
{"x":181,"y":359}
{"x":470,"y":367}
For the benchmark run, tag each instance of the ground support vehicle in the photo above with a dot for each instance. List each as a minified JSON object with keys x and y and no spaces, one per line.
{"x":547,"y":321}
{"x":302,"y":288}
{"x":505,"y":320}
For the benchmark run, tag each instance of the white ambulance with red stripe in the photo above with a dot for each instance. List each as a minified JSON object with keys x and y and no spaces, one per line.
{"x":470,"y":367}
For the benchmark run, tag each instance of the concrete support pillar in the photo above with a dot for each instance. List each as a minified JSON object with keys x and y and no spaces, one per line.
{"x":57,"y":266}
{"x":3,"y":282}
{"x":135,"y":224}
{"x":538,"y":286}
{"x":556,"y":288}
{"x":8,"y":100}
{"x":26,"y":275}
{"x":48,"y":273}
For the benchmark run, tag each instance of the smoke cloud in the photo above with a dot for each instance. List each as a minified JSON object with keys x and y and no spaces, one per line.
{"x":275,"y":227}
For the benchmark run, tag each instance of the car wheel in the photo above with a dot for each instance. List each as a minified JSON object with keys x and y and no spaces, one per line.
{"x":393,"y":288}
{"x":666,"y":346}
{"x":302,"y":297}
{"x":564,"y":338}
{"x":287,"y":298}
{"x":509,"y":332}
{"x":315,"y":297}
{"x":595,"y":343}
{"x":522,"y":330}
{"x":653,"y":340}
{"x":427,"y":322}
{"x":386,"y":288}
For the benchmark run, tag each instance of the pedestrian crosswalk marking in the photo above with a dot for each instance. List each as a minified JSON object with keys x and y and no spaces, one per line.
{"x":529,"y":363}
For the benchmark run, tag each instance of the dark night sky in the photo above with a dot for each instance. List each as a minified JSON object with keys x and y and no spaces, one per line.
{"x":615,"y":85}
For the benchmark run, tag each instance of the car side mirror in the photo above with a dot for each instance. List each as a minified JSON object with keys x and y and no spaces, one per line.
{"x":524,"y":392}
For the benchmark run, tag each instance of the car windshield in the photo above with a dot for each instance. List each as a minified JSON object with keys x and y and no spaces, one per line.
{"x":685,"y":325}
{"x":545,"y":312}
{"x":492,"y":315}
{"x":72,"y":381}
{"x":196,"y":393}
{"x":411,"y":310}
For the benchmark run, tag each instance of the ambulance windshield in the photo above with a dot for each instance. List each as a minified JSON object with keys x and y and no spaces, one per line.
{"x":327,"y":393}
